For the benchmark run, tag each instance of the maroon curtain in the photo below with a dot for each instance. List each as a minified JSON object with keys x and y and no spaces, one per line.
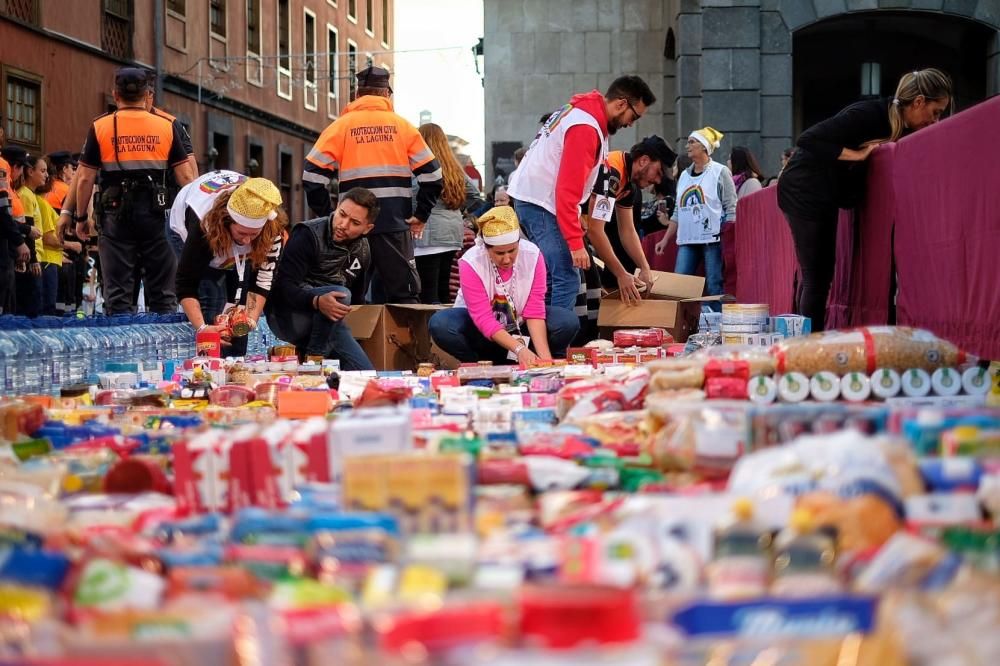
{"x":660,"y":262}
{"x":730,"y":269}
{"x":765,"y":255}
{"x":947,"y":184}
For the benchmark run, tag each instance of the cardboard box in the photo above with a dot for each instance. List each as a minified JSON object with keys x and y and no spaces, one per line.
{"x":397,"y":337}
{"x":674,"y":303}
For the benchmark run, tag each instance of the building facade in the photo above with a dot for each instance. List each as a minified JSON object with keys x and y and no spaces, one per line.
{"x":254,"y":81}
{"x":760,"y":71}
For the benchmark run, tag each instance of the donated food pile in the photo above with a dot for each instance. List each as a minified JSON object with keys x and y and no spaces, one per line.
{"x":795,"y":499}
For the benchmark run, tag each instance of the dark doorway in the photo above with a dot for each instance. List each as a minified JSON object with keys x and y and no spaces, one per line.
{"x":841,"y":60}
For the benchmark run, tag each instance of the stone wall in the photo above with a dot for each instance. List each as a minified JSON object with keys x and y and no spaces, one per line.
{"x":538,"y":53}
{"x":732,"y":66}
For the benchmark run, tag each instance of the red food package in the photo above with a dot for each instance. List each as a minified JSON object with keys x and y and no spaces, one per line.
{"x":581,"y":355}
{"x":731,"y":388}
{"x":641,"y":337}
{"x":375,"y":395}
{"x":735,"y":369}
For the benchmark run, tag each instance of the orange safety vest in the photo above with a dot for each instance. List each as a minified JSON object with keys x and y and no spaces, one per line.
{"x":369,"y":141}
{"x":16,"y":206}
{"x":57,"y":195}
{"x":621,"y":177}
{"x":142,"y":141}
{"x":5,"y":184}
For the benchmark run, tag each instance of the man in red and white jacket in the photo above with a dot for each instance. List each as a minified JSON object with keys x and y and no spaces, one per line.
{"x":558,"y":173}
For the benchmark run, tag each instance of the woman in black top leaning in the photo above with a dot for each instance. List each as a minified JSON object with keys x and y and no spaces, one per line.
{"x":828,"y":172}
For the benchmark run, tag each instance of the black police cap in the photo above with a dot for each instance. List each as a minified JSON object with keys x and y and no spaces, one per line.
{"x":131,"y":80}
{"x":374,"y":77}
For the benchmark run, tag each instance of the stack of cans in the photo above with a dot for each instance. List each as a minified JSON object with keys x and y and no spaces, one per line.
{"x":746,"y":324}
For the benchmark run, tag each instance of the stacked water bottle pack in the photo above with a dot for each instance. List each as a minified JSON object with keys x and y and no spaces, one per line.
{"x":47,"y":354}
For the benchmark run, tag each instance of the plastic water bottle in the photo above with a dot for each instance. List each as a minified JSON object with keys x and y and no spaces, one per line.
{"x":83,"y":347}
{"x":56,"y":356}
{"x":188,"y":348}
{"x":120,"y":351}
{"x":10,"y":369}
{"x":28,"y":358}
{"x":97,"y":326}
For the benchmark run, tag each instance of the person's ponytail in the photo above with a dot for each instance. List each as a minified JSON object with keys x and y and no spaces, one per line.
{"x":930,"y":83}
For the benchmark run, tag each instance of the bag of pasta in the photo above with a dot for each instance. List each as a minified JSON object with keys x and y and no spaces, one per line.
{"x":865,"y":349}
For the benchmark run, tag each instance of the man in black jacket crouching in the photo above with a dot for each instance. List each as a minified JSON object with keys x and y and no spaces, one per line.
{"x":324,"y":267}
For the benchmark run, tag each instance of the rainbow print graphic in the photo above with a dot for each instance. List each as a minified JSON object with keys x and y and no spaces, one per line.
{"x":556,"y":118}
{"x":213,"y":185}
{"x":692,"y":196}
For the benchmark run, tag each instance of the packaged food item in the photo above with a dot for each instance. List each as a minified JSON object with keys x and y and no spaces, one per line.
{"x":706,"y":438}
{"x":793,"y":387}
{"x":865,"y":349}
{"x":976,"y":380}
{"x":741,"y":561}
{"x":855,"y":387}
{"x":758,"y":360}
{"x":641,"y":337}
{"x":861,"y":523}
{"x":725,"y":388}
{"x":886,"y":383}
{"x":762,"y":390}
{"x":946,"y":381}
{"x":676,"y":373}
{"x":804,"y":560}
{"x":824,"y":386}
{"x":916,"y":383}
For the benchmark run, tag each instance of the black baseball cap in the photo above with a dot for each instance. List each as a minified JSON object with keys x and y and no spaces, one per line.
{"x":131,"y":80}
{"x":16,"y":156}
{"x":656,"y":148}
{"x":61,"y":158}
{"x":374,"y":77}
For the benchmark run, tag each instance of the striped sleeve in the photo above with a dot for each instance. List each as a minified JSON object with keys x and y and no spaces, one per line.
{"x":427,"y":171}
{"x":265,"y":274}
{"x":320,"y":168}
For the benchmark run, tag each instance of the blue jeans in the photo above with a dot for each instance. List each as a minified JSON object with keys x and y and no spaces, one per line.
{"x":212,"y":290}
{"x":541,"y":228}
{"x":688,"y":258}
{"x":318,"y":334}
{"x":454,"y":331}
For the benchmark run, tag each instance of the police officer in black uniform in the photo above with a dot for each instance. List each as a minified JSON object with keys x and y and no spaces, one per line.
{"x":133,"y":150}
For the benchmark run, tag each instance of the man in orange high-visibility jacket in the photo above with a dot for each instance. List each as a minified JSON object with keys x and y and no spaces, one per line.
{"x":133,"y":149}
{"x":370,"y":146}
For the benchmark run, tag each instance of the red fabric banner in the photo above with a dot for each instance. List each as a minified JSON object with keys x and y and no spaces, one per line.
{"x":947,"y":184}
{"x":765,"y":255}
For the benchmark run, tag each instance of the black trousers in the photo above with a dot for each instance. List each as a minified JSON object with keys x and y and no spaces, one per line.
{"x":7,"y":288}
{"x":815,"y":239}
{"x":130,"y":240}
{"x":395,"y":268}
{"x":435,"y":277}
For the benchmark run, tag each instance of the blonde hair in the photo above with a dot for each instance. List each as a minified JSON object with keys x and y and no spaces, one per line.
{"x":453,"y":193}
{"x":931,"y":84}
{"x":216,"y":225}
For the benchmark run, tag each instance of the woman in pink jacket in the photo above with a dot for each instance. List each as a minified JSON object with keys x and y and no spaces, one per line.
{"x":500,"y":313}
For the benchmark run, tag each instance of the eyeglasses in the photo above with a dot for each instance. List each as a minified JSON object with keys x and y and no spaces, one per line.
{"x":636,"y":113}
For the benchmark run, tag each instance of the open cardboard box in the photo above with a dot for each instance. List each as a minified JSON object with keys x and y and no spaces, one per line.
{"x":673,"y":302}
{"x":397,"y":337}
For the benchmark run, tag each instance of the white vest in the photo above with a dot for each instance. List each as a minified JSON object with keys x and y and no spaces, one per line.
{"x":200,"y":194}
{"x":519,"y":286}
{"x":699,"y":209}
{"x":534,"y":181}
